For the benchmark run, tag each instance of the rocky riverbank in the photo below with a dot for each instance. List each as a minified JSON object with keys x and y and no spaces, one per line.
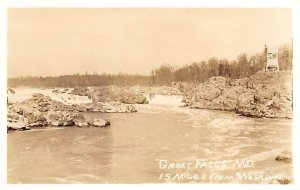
{"x":42,"y":111}
{"x":265,"y":94}
{"x":62,"y":107}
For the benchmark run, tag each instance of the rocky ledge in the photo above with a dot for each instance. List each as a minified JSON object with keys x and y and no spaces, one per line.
{"x":42,"y":111}
{"x":128,"y":94}
{"x":284,"y":156}
{"x":265,"y":94}
{"x":105,"y":107}
{"x":111,"y":94}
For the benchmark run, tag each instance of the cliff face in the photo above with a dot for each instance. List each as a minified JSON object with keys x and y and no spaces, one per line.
{"x":265,"y":94}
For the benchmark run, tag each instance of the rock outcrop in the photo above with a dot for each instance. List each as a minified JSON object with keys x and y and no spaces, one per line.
{"x":129,"y":98}
{"x":42,"y":111}
{"x":111,"y":94}
{"x":100,"y":123}
{"x":284,"y":157}
{"x":265,"y":94}
{"x":129,"y":95}
{"x":157,"y":90}
{"x":10,"y":90}
{"x":106,"y":107}
{"x":283,"y":180}
{"x":17,"y":122}
{"x":60,"y":118}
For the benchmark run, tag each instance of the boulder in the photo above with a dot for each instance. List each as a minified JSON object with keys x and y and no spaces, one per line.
{"x":17,"y":123}
{"x":284,"y":157}
{"x":55,"y":91}
{"x":80,"y":108}
{"x":60,"y":118}
{"x":201,"y":104}
{"x":100,"y":123}
{"x":80,"y":121}
{"x":10,"y":90}
{"x":285,"y":180}
{"x":282,"y":180}
{"x":35,"y":118}
{"x":59,"y":90}
{"x":129,"y":98}
{"x":81,"y":91}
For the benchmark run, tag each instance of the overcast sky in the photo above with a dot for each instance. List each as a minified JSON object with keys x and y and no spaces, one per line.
{"x":66,"y":41}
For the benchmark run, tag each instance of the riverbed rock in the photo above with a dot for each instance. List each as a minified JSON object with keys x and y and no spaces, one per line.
{"x":59,"y":90}
{"x":81,"y":91}
{"x":10,"y":90}
{"x":60,"y":118}
{"x":284,"y":157}
{"x":100,"y":123}
{"x":158,"y":90}
{"x":285,"y":180}
{"x":42,"y":111}
{"x":35,"y":118}
{"x":265,"y":94}
{"x":17,"y":122}
{"x":129,"y":98}
{"x":111,"y":93}
{"x":28,"y":110}
{"x":80,"y":121}
{"x":55,"y":91}
{"x":109,"y":107}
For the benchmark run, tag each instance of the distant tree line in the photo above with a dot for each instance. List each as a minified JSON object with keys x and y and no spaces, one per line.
{"x":243,"y":66}
{"x":80,"y":80}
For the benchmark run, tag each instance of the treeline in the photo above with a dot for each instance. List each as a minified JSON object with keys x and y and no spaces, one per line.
{"x":243,"y":66}
{"x":80,"y":80}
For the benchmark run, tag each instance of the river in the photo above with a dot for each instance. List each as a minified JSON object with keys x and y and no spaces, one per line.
{"x":130,"y":150}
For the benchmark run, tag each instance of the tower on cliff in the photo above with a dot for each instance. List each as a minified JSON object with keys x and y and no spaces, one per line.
{"x":272,"y":59}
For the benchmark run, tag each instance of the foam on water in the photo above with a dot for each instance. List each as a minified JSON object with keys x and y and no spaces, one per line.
{"x":22,"y":94}
{"x":264,"y":155}
{"x":165,"y":100}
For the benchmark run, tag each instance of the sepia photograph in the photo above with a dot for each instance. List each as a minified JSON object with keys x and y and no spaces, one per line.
{"x":149,"y":95}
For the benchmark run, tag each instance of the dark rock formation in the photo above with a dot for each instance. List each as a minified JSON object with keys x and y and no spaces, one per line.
{"x":111,"y":94}
{"x":42,"y":111}
{"x":284,"y":157}
{"x":10,"y":90}
{"x":100,"y":123}
{"x":265,"y":94}
{"x":107,"y":107}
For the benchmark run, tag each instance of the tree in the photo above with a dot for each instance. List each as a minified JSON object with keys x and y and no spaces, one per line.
{"x":164,"y":74}
{"x":285,"y":57}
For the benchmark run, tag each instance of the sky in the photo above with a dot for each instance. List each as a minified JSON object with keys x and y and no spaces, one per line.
{"x":53,"y":41}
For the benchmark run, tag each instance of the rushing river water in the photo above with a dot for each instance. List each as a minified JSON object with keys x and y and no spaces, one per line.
{"x":129,"y":151}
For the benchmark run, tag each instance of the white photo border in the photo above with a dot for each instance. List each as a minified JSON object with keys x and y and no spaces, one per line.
{"x":5,"y":4}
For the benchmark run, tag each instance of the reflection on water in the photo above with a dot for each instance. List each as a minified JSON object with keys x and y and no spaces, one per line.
{"x":127,"y":152}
